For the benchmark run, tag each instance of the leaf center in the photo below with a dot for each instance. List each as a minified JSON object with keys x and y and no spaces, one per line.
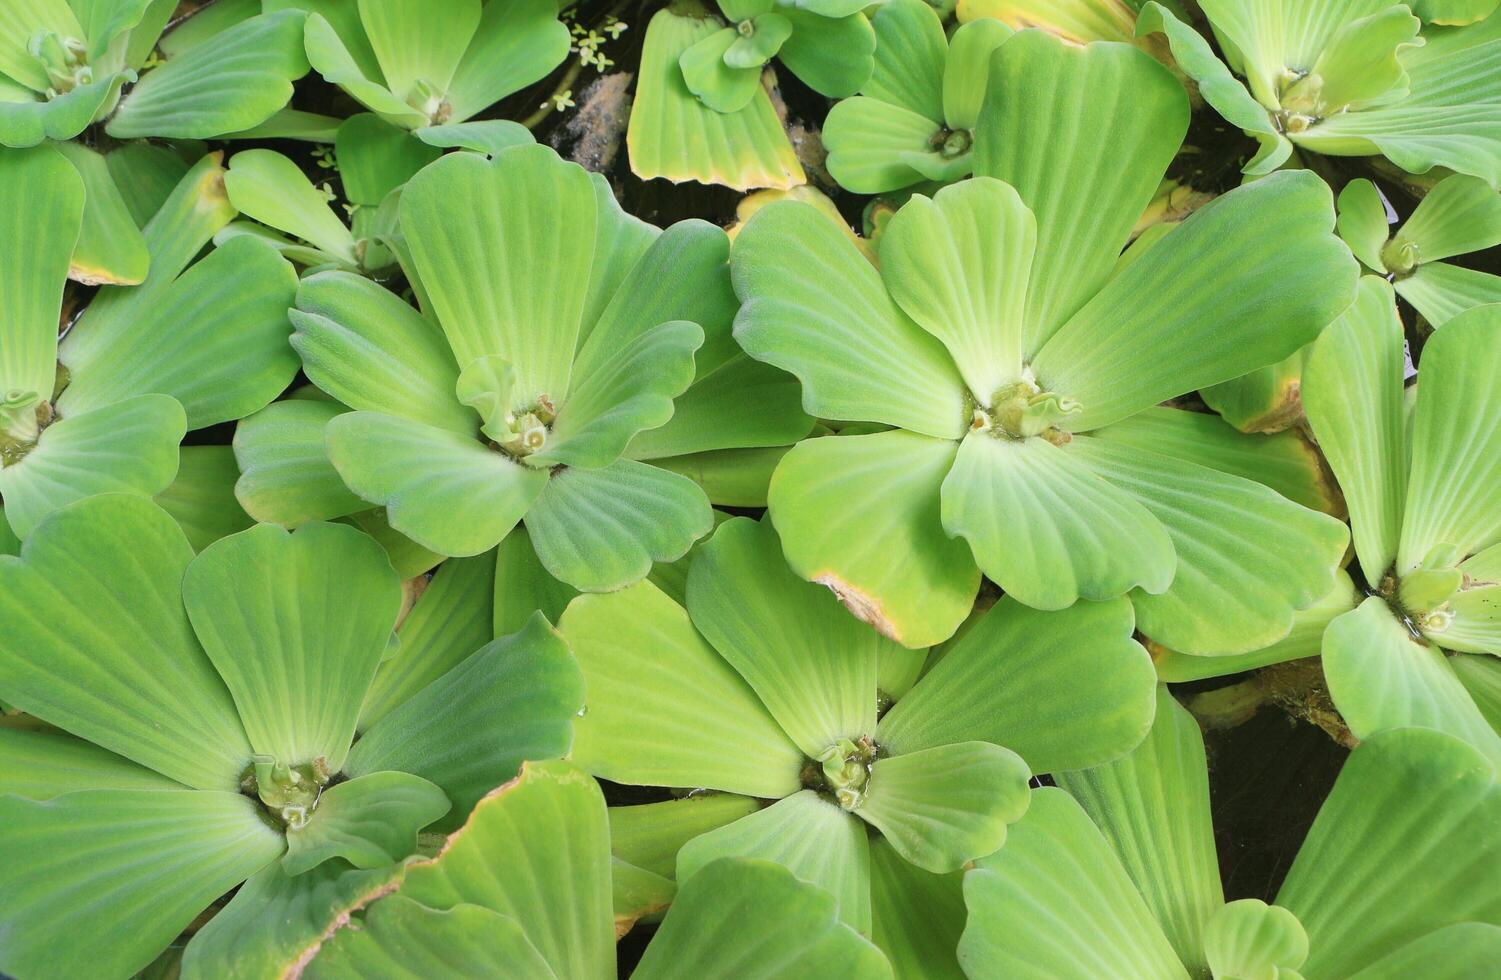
{"x":843,"y":770}
{"x":23,"y":416}
{"x":289,"y":793}
{"x":1022,"y":410}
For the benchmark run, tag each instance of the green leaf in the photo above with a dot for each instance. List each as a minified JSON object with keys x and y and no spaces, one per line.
{"x":945,"y":806}
{"x":25,"y":123}
{"x":129,"y":447}
{"x":1053,"y":111}
{"x":489,"y":136}
{"x":1249,"y":938}
{"x":1393,"y":855}
{"x":1064,"y":690}
{"x":1454,"y":488}
{"x":1476,"y":624}
{"x":1046,"y":529}
{"x":376,"y":157}
{"x":710,"y":75}
{"x":1362,"y":222}
{"x":1461,"y":214}
{"x":330,"y":55}
{"x":110,"y":248}
{"x":636,"y":894}
{"x":1361,"y":63}
{"x":1285,"y":461}
{"x":468,"y":731}
{"x":844,"y":504}
{"x":916,"y":917}
{"x":832,"y":55}
{"x":1248,"y":558}
{"x":1440,"y":291}
{"x":1352,"y":394}
{"x":273,"y":190}
{"x":23,"y":19}
{"x":413,"y":47}
{"x":41,"y":206}
{"x":291,"y":124}
{"x":810,"y":662}
{"x":275,"y":921}
{"x":408,"y":557}
{"x":958,"y":265}
{"x":141,"y":865}
{"x":663,"y":708}
{"x":1155,"y":331}
{"x":745,"y":918}
{"x":1465,"y":949}
{"x":502,"y":247}
{"x":876,"y":146}
{"x":523,"y":586}
{"x":1266,"y":400}
{"x":1055,"y":902}
{"x":518,"y":42}
{"x":285,"y":474}
{"x":369,"y":821}
{"x":1304,"y":640}
{"x":768,"y":32}
{"x":1153,"y":808}
{"x":548,"y":828}
{"x":98,"y":644}
{"x":397,"y":934}
{"x":911,"y":52}
{"x":238,"y":81}
{"x":448,"y":492}
{"x":215,"y":338}
{"x":145,"y":174}
{"x":449,"y":621}
{"x":804,"y":833}
{"x":813,"y":306}
{"x":672,"y":135}
{"x":730,"y":477}
{"x":741,"y":404}
{"x":1381,"y":677}
{"x":201,"y":499}
{"x":42,"y":765}
{"x":360,"y":343}
{"x":600,"y":530}
{"x":297,"y":678}
{"x":649,"y":835}
{"x":1453,"y":11}
{"x":966,"y":77}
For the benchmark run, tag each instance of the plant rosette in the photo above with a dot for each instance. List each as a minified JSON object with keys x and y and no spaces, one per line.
{"x":1461,"y":214}
{"x":828,"y":44}
{"x":914,"y":120}
{"x":195,"y":344}
{"x":576,"y":328}
{"x":1351,"y":79}
{"x":215,"y":702}
{"x":1004,"y":340}
{"x":879,"y":807}
{"x":526,"y":888}
{"x":1424,"y":492}
{"x":1116,"y":874}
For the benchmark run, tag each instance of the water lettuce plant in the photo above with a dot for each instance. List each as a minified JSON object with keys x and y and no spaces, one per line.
{"x":195,"y":344}
{"x":1461,"y":214}
{"x":227,"y":746}
{"x":879,"y":805}
{"x":1350,"y":79}
{"x":913,"y":121}
{"x":1001,"y":344}
{"x":1424,"y":516}
{"x":1115,"y":873}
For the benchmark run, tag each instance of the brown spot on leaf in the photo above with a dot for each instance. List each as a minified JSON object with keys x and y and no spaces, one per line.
{"x":863,"y":606}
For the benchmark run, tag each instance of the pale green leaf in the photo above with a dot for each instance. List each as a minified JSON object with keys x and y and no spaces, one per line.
{"x":1083,"y":134}
{"x":1454,"y":488}
{"x":376,"y":157}
{"x":832,"y":55}
{"x":844,"y":504}
{"x":966,"y":76}
{"x":1461,"y":214}
{"x":19,"y":21}
{"x":600,"y":530}
{"x":911,"y":53}
{"x":522,"y":586}
{"x":266,"y":186}
{"x":238,"y":81}
{"x":916,"y":917}
{"x":469,"y":730}
{"x":295,"y":623}
{"x":1153,"y":807}
{"x":874,"y":146}
{"x":1055,"y":902}
{"x":1441,"y":291}
{"x":1046,"y":529}
{"x":741,"y":404}
{"x":1064,"y":690}
{"x":129,"y":447}
{"x":41,"y":765}
{"x":415,"y":48}
{"x":751,"y":919}
{"x":958,"y":265}
{"x":398,"y":937}
{"x":1382,"y":677}
{"x":285,"y":474}
{"x":99,"y":882}
{"x":1249,"y":938}
{"x":663,"y":708}
{"x":1265,"y":400}
{"x":1465,"y":949}
{"x":201,"y":498}
{"x":517,"y":43}
{"x":814,"y":306}
{"x":110,"y":248}
{"x":1396,"y":851}
{"x":145,"y":175}
{"x":330,"y":54}
{"x":488,"y":136}
{"x":649,"y":835}
{"x":97,"y":642}
{"x":804,"y":833}
{"x":369,"y":821}
{"x":1157,"y":331}
{"x":448,"y":492}
{"x":1362,"y":222}
{"x":710,"y":73}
